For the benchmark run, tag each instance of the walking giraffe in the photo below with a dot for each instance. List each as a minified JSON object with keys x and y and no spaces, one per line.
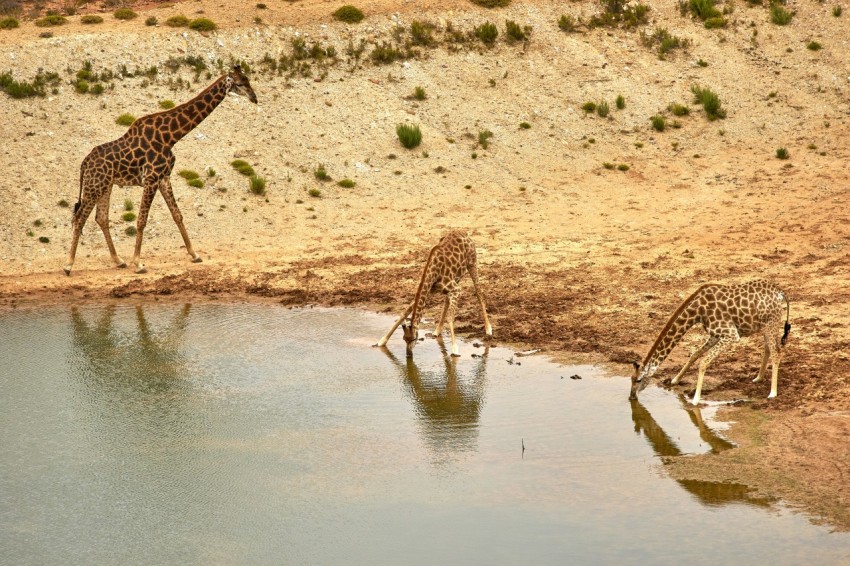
{"x":143,"y":157}
{"x":447,"y":263}
{"x":727,"y":313}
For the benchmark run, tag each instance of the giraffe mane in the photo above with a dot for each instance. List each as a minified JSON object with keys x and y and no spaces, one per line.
{"x":670,"y":322}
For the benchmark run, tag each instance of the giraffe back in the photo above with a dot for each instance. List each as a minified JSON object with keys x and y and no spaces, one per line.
{"x":451,"y":259}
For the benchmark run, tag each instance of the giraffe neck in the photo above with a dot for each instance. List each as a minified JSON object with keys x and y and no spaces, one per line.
{"x":682,"y":320}
{"x":182,"y":119}
{"x":429,"y":275}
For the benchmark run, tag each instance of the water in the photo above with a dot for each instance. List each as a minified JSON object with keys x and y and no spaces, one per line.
{"x":258,"y":434}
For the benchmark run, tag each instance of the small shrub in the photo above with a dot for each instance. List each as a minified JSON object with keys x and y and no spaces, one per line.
{"x":779,"y":15}
{"x":315,"y":193}
{"x":525,"y":125}
{"x":128,"y":216}
{"x":128,"y":204}
{"x":130,"y":230}
{"x":487,"y":33}
{"x":567,"y":23}
{"x":8,"y":23}
{"x":321,"y":174}
{"x":710,"y":102}
{"x":679,"y":109}
{"x":515,"y":32}
{"x":202,"y":24}
{"x":348,"y":14}
{"x":257,"y":185}
{"x":125,"y":119}
{"x":63,"y":203}
{"x":714,"y":23}
{"x":484,"y":138}
{"x":188,"y":174}
{"x":704,"y":9}
{"x":421,"y":33}
{"x":151,"y":21}
{"x":91,"y":19}
{"x":242,"y":167}
{"x":620,"y":102}
{"x":37,"y":222}
{"x":51,"y":20}
{"x":409,"y":135}
{"x":44,"y":239}
{"x":166,"y":104}
{"x":589,"y":107}
{"x":659,"y":123}
{"x":419,"y":93}
{"x":602,"y":109}
{"x":491,"y":3}
{"x":814,"y":46}
{"x":210,"y":172}
{"x":782,"y":153}
{"x":97,"y":89}
{"x":124,"y":14}
{"x":702,"y":63}
{"x":179,"y":21}
{"x":623,"y":167}
{"x":196,"y":182}
{"x":346,"y":183}
{"x":386,"y":53}
{"x":608,"y":165}
{"x":836,"y":11}
{"x":81,"y":86}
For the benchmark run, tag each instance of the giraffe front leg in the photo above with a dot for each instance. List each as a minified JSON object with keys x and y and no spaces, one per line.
{"x":724,"y":343}
{"x":694,"y":357}
{"x":385,"y":338}
{"x":78,"y":222}
{"x":102,"y":219}
{"x":168,"y":195}
{"x":141,"y":222}
{"x":472,"y":267}
{"x":442,"y":322}
{"x":451,"y":318}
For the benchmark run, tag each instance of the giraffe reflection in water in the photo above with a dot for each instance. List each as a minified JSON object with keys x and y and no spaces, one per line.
{"x":707,"y":492}
{"x":448,"y":405}
{"x":110,"y":355}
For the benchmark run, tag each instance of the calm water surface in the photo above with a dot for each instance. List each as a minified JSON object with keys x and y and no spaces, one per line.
{"x":259,"y":434}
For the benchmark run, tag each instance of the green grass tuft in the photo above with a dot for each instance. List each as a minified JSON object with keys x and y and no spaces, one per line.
{"x":188,"y":174}
{"x":409,"y":135}
{"x":51,"y":20}
{"x":178,"y":21}
{"x":782,"y":153}
{"x":315,"y":193}
{"x":151,"y":21}
{"x":779,"y":15}
{"x":125,"y":119}
{"x":91,"y":19}
{"x":124,"y":14}
{"x":567,"y":23}
{"x":8,"y":23}
{"x":44,"y":239}
{"x":525,"y":125}
{"x":321,"y":173}
{"x":589,"y":107}
{"x":710,"y":102}
{"x":814,"y":46}
{"x":348,"y":14}
{"x":166,"y":104}
{"x":130,"y":230}
{"x":659,"y":122}
{"x":202,"y":24}
{"x":128,"y":216}
{"x":487,"y":33}
{"x":602,"y":109}
{"x":620,"y":102}
{"x":346,"y":183}
{"x":419,"y":93}
{"x":128,"y":204}
{"x":491,"y":3}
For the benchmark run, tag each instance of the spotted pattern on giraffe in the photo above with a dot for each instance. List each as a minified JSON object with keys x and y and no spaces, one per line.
{"x":143,"y":157}
{"x":452,"y":258}
{"x":727,"y":313}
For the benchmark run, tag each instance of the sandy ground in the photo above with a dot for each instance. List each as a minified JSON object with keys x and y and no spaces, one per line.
{"x":584,"y":262}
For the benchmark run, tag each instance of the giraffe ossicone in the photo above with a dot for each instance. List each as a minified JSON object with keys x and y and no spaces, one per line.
{"x":728,"y":313}
{"x":452,"y":258}
{"x":143,"y":157}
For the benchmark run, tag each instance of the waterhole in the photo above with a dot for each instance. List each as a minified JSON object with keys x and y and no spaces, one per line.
{"x":237,"y":433}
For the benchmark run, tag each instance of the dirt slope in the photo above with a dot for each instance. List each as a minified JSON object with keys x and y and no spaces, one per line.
{"x":575,"y":258}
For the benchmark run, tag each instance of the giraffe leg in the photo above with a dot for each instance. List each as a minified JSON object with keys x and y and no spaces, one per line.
{"x":141,"y":222}
{"x":472,"y":267}
{"x":439,"y":330}
{"x":775,"y":358}
{"x":102,"y":219}
{"x":78,"y":222}
{"x":168,"y":195}
{"x":453,"y":295}
{"x":724,"y":343}
{"x":764,"y":358}
{"x":712,"y":340}
{"x":383,"y":341}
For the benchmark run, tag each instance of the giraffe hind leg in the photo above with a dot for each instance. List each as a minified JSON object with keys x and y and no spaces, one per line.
{"x":472,"y":267}
{"x":168,"y":195}
{"x":102,"y":219}
{"x":80,"y":217}
{"x":764,"y":358}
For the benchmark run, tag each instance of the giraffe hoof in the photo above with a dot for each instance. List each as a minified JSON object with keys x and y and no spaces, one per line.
{"x":197,"y":259}
{"x":67,"y":271}
{"x":122,"y":265}
{"x":141,"y":269}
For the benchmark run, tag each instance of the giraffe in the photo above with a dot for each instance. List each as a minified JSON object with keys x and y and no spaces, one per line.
{"x":143,"y":157}
{"x":447,"y":263}
{"x":728,"y":313}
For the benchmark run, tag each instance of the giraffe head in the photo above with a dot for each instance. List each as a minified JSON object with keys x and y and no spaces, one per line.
{"x":411,"y":336}
{"x":240,"y":85}
{"x":641,"y":378}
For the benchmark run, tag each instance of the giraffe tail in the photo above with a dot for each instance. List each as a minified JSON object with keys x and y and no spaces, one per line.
{"x":79,"y":202}
{"x":787,"y":329}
